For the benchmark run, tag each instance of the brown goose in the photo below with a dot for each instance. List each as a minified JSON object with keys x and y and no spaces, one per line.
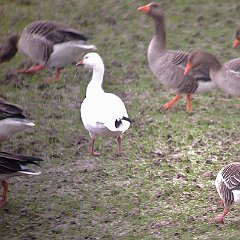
{"x":226,"y":76}
{"x":49,"y":44}
{"x":14,"y":165}
{"x":12,"y":120}
{"x":168,"y":65}
{"x":237,"y":39}
{"x":228,"y":187}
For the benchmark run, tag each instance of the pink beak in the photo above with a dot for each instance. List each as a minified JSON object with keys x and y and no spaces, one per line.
{"x":187,"y":69}
{"x":81,"y":63}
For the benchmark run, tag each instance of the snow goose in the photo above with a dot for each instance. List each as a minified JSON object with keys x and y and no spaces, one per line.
{"x":168,"y":65}
{"x":103,"y":114}
{"x":237,"y":39}
{"x":12,"y":120}
{"x":228,"y":187}
{"x":14,"y":165}
{"x":226,"y":76}
{"x":49,"y":44}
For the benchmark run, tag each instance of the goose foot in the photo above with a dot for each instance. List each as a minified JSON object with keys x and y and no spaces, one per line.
{"x":219,"y":219}
{"x":189,"y":103}
{"x":55,"y":78}
{"x":171,"y":103}
{"x":31,"y":70}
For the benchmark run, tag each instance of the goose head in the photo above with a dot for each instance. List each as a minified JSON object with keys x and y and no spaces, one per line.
{"x":237,"y":39}
{"x":91,"y":60}
{"x":153,"y":9}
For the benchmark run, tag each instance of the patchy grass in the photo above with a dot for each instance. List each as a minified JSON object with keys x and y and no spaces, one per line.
{"x":163,"y":186}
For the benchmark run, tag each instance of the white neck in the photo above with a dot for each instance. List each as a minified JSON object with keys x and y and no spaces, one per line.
{"x":95,"y":85}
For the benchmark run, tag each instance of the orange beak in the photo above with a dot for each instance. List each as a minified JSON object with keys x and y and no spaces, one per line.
{"x":236,"y":43}
{"x":187,"y":69}
{"x":145,"y":8}
{"x":81,"y":63}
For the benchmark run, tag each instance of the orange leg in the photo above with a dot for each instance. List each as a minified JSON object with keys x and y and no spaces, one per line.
{"x":119,"y":146}
{"x":56,"y":77}
{"x":91,"y":150}
{"x":4,"y":195}
{"x":171,"y":103}
{"x":219,"y":218}
{"x":31,"y":70}
{"x":189,"y":103}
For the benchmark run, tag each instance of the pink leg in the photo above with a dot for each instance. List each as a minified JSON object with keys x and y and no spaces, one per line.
{"x":189,"y":103}
{"x":119,"y":146}
{"x":4,"y":195}
{"x":171,"y":103}
{"x":31,"y":70}
{"x":220,"y":218}
{"x":92,"y":149}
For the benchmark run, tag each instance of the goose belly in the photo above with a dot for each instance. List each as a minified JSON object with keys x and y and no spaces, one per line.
{"x":9,"y":127}
{"x":98,"y":129}
{"x":64,"y":54}
{"x":236,"y":194}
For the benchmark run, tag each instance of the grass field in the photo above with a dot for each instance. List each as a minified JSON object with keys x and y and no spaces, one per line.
{"x":163,"y":185}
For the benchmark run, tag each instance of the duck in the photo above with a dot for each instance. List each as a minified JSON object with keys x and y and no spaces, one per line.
{"x":50,"y":44}
{"x":228,"y":187}
{"x":168,"y":65}
{"x":12,"y":120}
{"x":226,"y":76}
{"x":236,"y":42}
{"x":14,"y":165}
{"x":103,"y":114}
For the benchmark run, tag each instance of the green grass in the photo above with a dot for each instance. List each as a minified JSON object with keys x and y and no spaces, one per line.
{"x":158,"y":189}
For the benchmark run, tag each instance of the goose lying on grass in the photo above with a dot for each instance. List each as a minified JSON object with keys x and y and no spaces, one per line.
{"x":49,"y":44}
{"x":14,"y":165}
{"x":103,"y":114}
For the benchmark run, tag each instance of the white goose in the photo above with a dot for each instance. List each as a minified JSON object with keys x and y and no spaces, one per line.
{"x":103,"y":114}
{"x":228,"y":187}
{"x":12,"y":120}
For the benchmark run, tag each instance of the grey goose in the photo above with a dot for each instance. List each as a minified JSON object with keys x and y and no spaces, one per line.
{"x":14,"y":165}
{"x":168,"y":65}
{"x":47,"y":43}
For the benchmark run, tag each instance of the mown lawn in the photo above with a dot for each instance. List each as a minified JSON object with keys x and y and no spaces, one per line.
{"x":163,"y":185}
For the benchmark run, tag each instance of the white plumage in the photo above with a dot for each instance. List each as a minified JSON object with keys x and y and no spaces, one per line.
{"x":103,"y":114}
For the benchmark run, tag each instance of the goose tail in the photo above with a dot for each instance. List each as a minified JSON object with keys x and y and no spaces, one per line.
{"x":9,"y":49}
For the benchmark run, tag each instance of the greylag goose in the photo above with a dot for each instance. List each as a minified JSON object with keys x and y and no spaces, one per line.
{"x":49,"y":44}
{"x":168,"y":65}
{"x":103,"y":114}
{"x":228,"y":187}
{"x":12,"y":120}
{"x":237,"y":39}
{"x":226,"y":76}
{"x":14,"y":165}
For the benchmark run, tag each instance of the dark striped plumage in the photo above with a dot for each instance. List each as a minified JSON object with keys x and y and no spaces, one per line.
{"x":228,"y":186}
{"x":10,"y":110}
{"x":12,"y":163}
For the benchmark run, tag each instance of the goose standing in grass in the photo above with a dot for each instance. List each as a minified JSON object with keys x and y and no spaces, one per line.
{"x":236,"y":42}
{"x":103,"y":114}
{"x":228,"y":187}
{"x":168,"y":65}
{"x":14,"y":165}
{"x":12,"y":120}
{"x":226,"y":76}
{"x":49,"y":44}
